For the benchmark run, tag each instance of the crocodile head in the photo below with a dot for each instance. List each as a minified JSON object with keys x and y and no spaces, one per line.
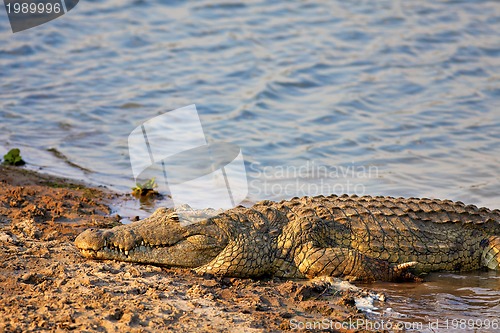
{"x":159,"y":239}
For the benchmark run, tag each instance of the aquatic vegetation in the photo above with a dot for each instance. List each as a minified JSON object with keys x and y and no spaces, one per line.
{"x":146,"y":189}
{"x":13,"y":157}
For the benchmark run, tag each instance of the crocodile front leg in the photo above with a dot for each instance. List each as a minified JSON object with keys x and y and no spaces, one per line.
{"x":242,"y":257}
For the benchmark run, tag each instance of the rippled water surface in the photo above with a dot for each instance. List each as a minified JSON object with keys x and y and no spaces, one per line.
{"x":370,"y":97}
{"x":445,"y":302}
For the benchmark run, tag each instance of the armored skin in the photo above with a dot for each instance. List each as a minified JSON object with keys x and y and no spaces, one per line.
{"x":357,"y":238}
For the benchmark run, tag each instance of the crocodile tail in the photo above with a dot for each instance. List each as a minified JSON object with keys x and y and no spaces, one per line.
{"x":491,"y":253}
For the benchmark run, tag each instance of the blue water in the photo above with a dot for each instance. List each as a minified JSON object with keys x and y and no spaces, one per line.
{"x":370,"y":97}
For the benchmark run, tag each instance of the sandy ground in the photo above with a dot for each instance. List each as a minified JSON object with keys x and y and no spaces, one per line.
{"x":45,"y":285}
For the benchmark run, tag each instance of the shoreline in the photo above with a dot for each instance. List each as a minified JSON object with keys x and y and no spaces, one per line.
{"x":46,"y":285}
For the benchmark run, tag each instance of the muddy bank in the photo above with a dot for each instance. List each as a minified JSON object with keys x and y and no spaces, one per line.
{"x":45,"y":285}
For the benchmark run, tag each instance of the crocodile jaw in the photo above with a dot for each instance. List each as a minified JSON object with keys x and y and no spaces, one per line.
{"x":167,"y":243}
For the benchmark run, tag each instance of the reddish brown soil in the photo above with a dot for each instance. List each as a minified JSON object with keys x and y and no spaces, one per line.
{"x":45,"y":285}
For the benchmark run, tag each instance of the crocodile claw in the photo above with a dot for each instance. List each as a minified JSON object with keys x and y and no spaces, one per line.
{"x":400,"y":272}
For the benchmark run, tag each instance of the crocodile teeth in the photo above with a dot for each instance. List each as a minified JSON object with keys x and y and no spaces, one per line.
{"x":126,"y":252}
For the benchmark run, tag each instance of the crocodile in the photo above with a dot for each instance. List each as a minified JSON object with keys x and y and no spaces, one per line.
{"x":363,"y":238}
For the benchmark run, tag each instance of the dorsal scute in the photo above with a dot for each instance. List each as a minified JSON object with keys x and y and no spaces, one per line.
{"x":423,"y":209}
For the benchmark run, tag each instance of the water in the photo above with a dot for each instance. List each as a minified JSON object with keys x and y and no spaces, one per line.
{"x":445,"y":302}
{"x":369,"y":97}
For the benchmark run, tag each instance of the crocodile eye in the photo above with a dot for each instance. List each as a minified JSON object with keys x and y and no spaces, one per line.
{"x":174,"y":217}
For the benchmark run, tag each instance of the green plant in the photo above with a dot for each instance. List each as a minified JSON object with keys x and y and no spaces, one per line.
{"x":13,"y":157}
{"x":145,"y":189}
